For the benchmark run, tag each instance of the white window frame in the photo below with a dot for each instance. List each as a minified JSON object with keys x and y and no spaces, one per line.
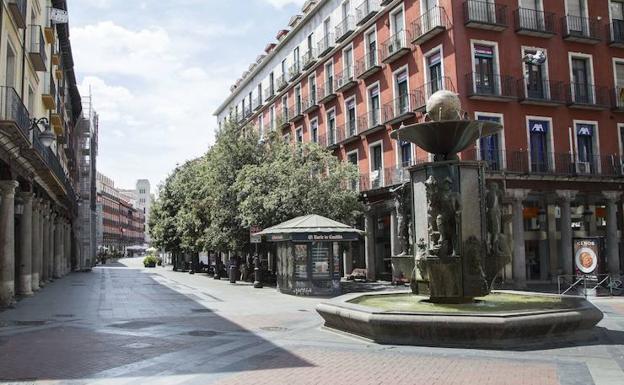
{"x":313,"y":121}
{"x":312,"y":76}
{"x":368,"y":101}
{"x":501,"y":118}
{"x":261,"y":125}
{"x":371,"y":30}
{"x":426,"y":57}
{"x":422,"y":6}
{"x":620,"y":128}
{"x":295,"y":90}
{"x":327,"y":112}
{"x":590,"y":57}
{"x":595,"y":137}
{"x":299,"y":130}
{"x":394,"y":85}
{"x":391,"y":14}
{"x":330,"y":61}
{"x":616,"y":61}
{"x":540,"y":6}
{"x":525,"y":48}
{"x":272,"y":118}
{"x":550,"y":139}
{"x":370,"y":163}
{"x":344,"y":51}
{"x":346,"y":122}
{"x":490,"y":43}
{"x":357,"y":163}
{"x":585,"y":14}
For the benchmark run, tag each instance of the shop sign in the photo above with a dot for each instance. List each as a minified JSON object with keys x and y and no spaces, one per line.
{"x":306,"y":237}
{"x":540,"y":126}
{"x":586,"y":255}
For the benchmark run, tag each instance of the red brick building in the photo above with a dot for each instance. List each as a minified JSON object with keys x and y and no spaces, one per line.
{"x":347,"y":73}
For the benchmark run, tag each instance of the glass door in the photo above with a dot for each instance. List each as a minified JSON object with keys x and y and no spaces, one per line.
{"x":435,"y":73}
{"x":402,"y":103}
{"x":484,"y":70}
{"x":580,"y":79}
{"x":376,"y":167}
{"x":371,"y":58}
{"x":374,"y":105}
{"x":535,"y":80}
{"x":489,"y":146}
{"x":585,"y":144}
{"x":617,"y":18}
{"x":539,"y":145}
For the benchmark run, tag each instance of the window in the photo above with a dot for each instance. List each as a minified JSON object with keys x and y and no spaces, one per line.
{"x":536,"y":78}
{"x":285,"y":108}
{"x":581,"y":80}
{"x":314,"y":130}
{"x":312,"y":89}
{"x":31,"y":100}
{"x":586,"y":147}
{"x":271,"y":84}
{"x":296,"y":58}
{"x":10,"y":67}
{"x":298,"y":99}
{"x":261,"y":126}
{"x":299,"y":134}
{"x":402,"y":103}
{"x":259,"y":95}
{"x":485,"y":77}
{"x":376,"y":165}
{"x":350,"y":117}
{"x":371,"y":49}
{"x":617,"y":20}
{"x":619,"y":84}
{"x":397,"y":24}
{"x":434,"y":72}
{"x":577,"y":23}
{"x":352,"y":157}
{"x":530,"y":15}
{"x":346,"y":9}
{"x":539,"y":132}
{"x":331,"y":127}
{"x":621,"y":129}
{"x":483,"y":10}
{"x":329,"y":77}
{"x":490,"y":146}
{"x":272,"y":117}
{"x":283,"y":66}
{"x":405,"y":148}
{"x":310,"y":42}
{"x":347,"y":59}
{"x":374,"y":117}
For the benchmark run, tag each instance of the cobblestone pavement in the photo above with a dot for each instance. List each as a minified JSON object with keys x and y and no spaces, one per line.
{"x":122,"y":324}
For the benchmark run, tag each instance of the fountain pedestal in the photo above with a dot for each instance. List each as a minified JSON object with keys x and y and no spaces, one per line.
{"x":450,"y":237}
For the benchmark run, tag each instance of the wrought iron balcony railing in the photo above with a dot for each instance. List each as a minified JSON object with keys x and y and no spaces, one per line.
{"x":282,"y":83}
{"x":485,"y":15}
{"x":366,"y":10}
{"x":580,"y":29}
{"x":490,"y":86}
{"x":344,"y":28}
{"x":269,"y":93}
{"x":399,"y":109}
{"x":368,"y":64}
{"x":618,"y":98}
{"x":370,"y":120}
{"x":326,"y":44}
{"x":396,"y":46}
{"x":616,"y":31}
{"x":534,"y":22}
{"x":309,"y":59}
{"x":429,"y":24}
{"x":422,"y":93}
{"x":541,"y":92}
{"x":13,"y":112}
{"x":584,"y":95}
{"x":345,"y":80}
{"x":294,"y":71}
{"x":327,"y":93}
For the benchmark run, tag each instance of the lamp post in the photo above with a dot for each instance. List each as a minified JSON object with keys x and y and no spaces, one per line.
{"x":46,"y":137}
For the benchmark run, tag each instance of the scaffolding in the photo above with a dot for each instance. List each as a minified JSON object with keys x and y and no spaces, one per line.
{"x":87,"y":203}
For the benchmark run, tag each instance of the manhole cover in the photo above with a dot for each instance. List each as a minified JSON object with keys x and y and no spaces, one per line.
{"x":201,"y":310}
{"x":202,"y":333}
{"x":29,"y":323}
{"x":64,"y":316}
{"x":274,"y":329}
{"x":135,"y":325}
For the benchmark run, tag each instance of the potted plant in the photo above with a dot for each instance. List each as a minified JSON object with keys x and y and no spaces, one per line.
{"x":150,"y":261}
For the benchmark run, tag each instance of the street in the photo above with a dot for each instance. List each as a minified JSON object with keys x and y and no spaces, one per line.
{"x":123,"y":324}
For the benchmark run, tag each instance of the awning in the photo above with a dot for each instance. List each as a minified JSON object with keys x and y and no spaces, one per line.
{"x":311,"y":228}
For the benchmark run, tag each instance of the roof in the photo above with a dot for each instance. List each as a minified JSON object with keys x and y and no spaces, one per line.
{"x":310,"y":224}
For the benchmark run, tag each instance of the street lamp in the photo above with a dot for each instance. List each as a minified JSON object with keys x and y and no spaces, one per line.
{"x":46,"y":137}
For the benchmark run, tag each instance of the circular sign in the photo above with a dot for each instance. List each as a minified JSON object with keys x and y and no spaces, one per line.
{"x":586,"y":260}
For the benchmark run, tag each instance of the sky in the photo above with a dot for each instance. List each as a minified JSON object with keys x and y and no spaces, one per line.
{"x":158,"y":69}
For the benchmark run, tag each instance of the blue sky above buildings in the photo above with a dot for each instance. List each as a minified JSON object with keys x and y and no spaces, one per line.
{"x":158,"y":69}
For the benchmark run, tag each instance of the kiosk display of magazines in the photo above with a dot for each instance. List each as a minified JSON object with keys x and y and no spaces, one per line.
{"x":308,"y":254}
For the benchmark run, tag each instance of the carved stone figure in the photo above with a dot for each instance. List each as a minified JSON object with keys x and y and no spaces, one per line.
{"x":400,"y":205}
{"x":443,"y":215}
{"x":492,"y":203}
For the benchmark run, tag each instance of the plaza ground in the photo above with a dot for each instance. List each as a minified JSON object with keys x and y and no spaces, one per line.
{"x":122,"y":324}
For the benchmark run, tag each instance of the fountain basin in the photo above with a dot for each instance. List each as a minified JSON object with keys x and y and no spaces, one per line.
{"x":446,"y":137}
{"x":510,"y":324}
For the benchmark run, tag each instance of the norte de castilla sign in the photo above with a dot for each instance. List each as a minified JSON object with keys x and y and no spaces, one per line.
{"x":59,"y":16}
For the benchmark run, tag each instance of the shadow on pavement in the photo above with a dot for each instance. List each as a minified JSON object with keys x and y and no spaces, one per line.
{"x":165,"y":331}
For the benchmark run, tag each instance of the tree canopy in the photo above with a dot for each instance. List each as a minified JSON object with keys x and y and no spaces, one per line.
{"x":209,"y":203}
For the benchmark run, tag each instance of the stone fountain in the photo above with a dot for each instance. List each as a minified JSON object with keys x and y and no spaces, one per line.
{"x":457,"y":228}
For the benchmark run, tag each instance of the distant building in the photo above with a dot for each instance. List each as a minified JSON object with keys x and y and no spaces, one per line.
{"x":141,"y":198}
{"x":120,"y":224}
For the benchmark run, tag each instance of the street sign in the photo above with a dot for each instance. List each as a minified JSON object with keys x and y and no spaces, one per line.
{"x":59,"y":16}
{"x":253,"y":238}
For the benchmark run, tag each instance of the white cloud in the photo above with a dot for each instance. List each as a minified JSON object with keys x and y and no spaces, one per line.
{"x":283,"y":3}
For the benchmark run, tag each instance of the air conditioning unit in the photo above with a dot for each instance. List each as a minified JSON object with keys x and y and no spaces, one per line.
{"x":583,"y":167}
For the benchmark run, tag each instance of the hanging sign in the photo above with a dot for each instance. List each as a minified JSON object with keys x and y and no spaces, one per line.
{"x":59,"y":16}
{"x":586,"y":255}
{"x":253,"y":238}
{"x":483,"y":51}
{"x":540,"y":126}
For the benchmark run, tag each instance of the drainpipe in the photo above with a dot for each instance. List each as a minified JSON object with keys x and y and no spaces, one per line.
{"x":23,"y":63}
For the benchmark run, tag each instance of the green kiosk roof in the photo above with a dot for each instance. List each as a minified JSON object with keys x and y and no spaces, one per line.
{"x":309,"y":224}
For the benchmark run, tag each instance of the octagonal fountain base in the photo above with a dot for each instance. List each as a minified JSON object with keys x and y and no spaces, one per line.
{"x":480,"y":325}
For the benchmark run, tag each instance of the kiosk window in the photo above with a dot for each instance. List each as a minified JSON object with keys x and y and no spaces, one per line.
{"x":301,"y":261}
{"x":320,"y":260}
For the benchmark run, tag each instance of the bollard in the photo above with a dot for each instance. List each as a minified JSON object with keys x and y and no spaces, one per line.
{"x":257,"y":273}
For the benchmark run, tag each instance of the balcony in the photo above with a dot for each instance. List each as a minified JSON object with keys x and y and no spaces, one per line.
{"x":534,"y":23}
{"x":309,"y":104}
{"x":616,"y":33}
{"x":347,"y":132}
{"x":332,"y":140}
{"x":49,"y":32}
{"x":390,"y":176}
{"x":257,"y":103}
{"x":556,"y":165}
{"x":36,"y":49}
{"x":580,"y":29}
{"x":422,"y":93}
{"x":485,"y":15}
{"x":494,"y":87}
{"x":48,"y":97}
{"x":399,"y":110}
{"x":429,"y":25}
{"x":345,"y":28}
{"x":346,"y":80}
{"x":18,"y":11}
{"x":617,"y":97}
{"x":395,"y":47}
{"x":365,"y":11}
{"x":269,"y":93}
{"x":367,"y":65}
{"x":309,"y":59}
{"x":326,"y":44}
{"x":284,"y":121}
{"x":282,"y":83}
{"x":294,"y":72}
{"x":370,"y":122}
{"x":543,"y":93}
{"x":327,"y":93}
{"x":295,"y":112}
{"x":14,"y":117}
{"x":587,"y":96}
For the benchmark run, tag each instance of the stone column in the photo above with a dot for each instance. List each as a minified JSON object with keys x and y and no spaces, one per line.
{"x":45,"y":243}
{"x":7,"y":242}
{"x":543,"y":243}
{"x":58,"y":228}
{"x":51,"y":243}
{"x":553,"y":249}
{"x":347,"y":260}
{"x":394,"y":234}
{"x":519,"y":254}
{"x":369,"y":246}
{"x":36,"y":245}
{"x":613,"y":247}
{"x":565,"y":199}
{"x":24,"y":268}
{"x":66,"y":254}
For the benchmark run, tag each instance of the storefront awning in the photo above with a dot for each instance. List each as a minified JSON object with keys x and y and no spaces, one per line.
{"x":311,"y":228}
